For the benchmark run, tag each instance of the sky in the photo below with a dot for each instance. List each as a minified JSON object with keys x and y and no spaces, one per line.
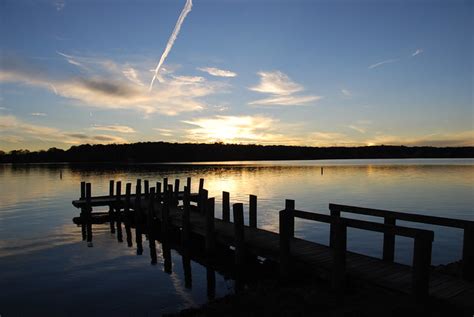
{"x":317,"y":73}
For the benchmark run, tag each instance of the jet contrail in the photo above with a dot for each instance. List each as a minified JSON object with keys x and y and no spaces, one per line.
{"x":169,"y":45}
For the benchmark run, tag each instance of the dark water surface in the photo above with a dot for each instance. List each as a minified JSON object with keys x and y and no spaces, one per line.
{"x":46,"y":268}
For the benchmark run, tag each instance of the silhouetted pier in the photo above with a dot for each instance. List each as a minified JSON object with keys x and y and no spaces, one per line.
{"x":162,"y":210}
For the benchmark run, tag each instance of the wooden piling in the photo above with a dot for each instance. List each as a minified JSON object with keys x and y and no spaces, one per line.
{"x":239,"y":239}
{"x":339,"y":255}
{"x":335,"y":213}
{"x":421,"y":266}
{"x":165,"y":184}
{"x":165,"y":211}
{"x":188,"y":279}
{"x":209,"y":226}
{"x":186,"y":225}
{"x":468,"y":254}
{"x":290,"y":206}
{"x":389,"y":241}
{"x":111,"y":208}
{"x":285,"y":237}
{"x":203,"y":196}
{"x":146,"y":187}
{"x":138,"y":219}
{"x":168,"y":263}
{"x":252,"y":211}
{"x":88,"y":211}
{"x":83,"y":214}
{"x":188,"y":183}
{"x":151,"y":227}
{"x":211,"y":283}
{"x":127,"y":216}
{"x":176,"y":191}
{"x":226,"y":206}
{"x":201,"y":184}
{"x":159,"y":196}
{"x":118,"y":215}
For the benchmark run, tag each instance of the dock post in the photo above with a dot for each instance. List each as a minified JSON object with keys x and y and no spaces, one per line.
{"x":290,"y":206}
{"x":111,"y":209}
{"x":188,"y":278}
{"x":186,"y":232}
{"x":203,"y":196}
{"x":146,"y":188}
{"x":339,"y":255}
{"x":239,"y":239}
{"x":159,"y":196}
{"x":253,"y":211}
{"x":389,"y":241}
{"x":89,"y":214}
{"x":176,"y":191}
{"x":285,"y":238}
{"x":210,"y":235}
{"x":118,"y":214}
{"x":165,"y":184}
{"x":421,"y":266}
{"x":468,"y":253}
{"x":226,"y":206}
{"x":83,"y":213}
{"x":151,"y":229}
{"x":168,"y":263}
{"x":201,"y":184}
{"x":188,"y":183}
{"x":138,"y":219}
{"x":127,"y":216}
{"x":165,"y":211}
{"x":335,"y":213}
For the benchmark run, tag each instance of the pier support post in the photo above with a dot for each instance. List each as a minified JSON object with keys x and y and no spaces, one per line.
{"x":127,"y":216}
{"x":285,"y":238}
{"x":186,"y":232}
{"x":203,"y":196}
{"x":138,"y":219}
{"x":165,"y":184}
{"x":89,"y":214}
{"x":226,"y":206}
{"x":165,"y":211}
{"x":468,"y":254}
{"x":210,"y":235}
{"x":176,"y":192}
{"x":83,"y":213}
{"x":336,"y":214}
{"x":150,"y":225}
{"x":118,"y":207}
{"x":239,"y":239}
{"x":289,"y":207}
{"x":339,"y":255}
{"x":253,"y":211}
{"x":159,"y":196}
{"x":201,"y":184}
{"x":146,"y":188}
{"x":389,"y":241}
{"x":188,"y":183}
{"x":111,"y":208}
{"x":421,"y":265}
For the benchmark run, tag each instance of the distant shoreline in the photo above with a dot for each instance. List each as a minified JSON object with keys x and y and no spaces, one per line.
{"x":179,"y":153}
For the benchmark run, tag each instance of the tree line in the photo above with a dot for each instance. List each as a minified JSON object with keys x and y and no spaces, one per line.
{"x":149,"y":152}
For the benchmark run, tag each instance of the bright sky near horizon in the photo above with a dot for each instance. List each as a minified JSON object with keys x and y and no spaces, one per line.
{"x":318,"y":73}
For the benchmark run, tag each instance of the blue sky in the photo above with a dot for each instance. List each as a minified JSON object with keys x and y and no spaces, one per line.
{"x":319,"y":73}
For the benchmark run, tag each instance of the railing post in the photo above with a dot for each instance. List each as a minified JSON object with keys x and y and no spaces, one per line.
{"x":118,"y":206}
{"x":210,"y":242}
{"x":468,"y":253}
{"x":88,"y":211}
{"x":253,"y":211}
{"x":290,"y":206}
{"x":285,"y":236}
{"x":226,"y":206}
{"x":421,"y":265}
{"x":339,"y":254}
{"x":128,"y":231}
{"x":389,"y":240}
{"x":336,"y":214}
{"x":111,"y":209}
{"x":186,"y":232}
{"x":239,"y":239}
{"x":150,"y":225}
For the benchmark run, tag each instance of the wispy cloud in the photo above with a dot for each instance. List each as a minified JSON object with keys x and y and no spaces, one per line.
{"x":113,"y":128}
{"x":106,"y":85}
{"x":282,"y":90}
{"x":38,"y":114}
{"x":187,"y":8}
{"x":164,"y":132}
{"x":463,"y":138}
{"x":346,"y":92}
{"x":71,"y":59}
{"x":59,"y":4}
{"x":388,"y":61}
{"x":417,"y":52}
{"x":217,"y":72}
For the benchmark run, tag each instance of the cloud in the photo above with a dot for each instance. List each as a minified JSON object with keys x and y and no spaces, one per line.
{"x":388,"y":61}
{"x":346,"y":92}
{"x":463,"y":138}
{"x":164,"y":132}
{"x":357,"y":128}
{"x":71,"y":59}
{"x":417,"y":52}
{"x":59,"y":4}
{"x":113,"y":128}
{"x":187,"y":8}
{"x":112,"y":86}
{"x":38,"y":114}
{"x":217,"y":72}
{"x":282,"y":90}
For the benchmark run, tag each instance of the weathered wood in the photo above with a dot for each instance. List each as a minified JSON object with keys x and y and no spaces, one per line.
{"x":176,"y":190}
{"x":127,"y":214}
{"x":158,"y":190}
{"x":165,"y":184}
{"x":188,"y":183}
{"x":239,"y":239}
{"x":339,"y":256}
{"x":111,"y":208}
{"x":226,"y":206}
{"x":88,"y":211}
{"x":468,"y":253}
{"x":165,"y":212}
{"x":82,"y":215}
{"x":389,"y":241}
{"x":284,"y":237}
{"x":335,"y":213}
{"x":201,"y":184}
{"x":150,"y":225}
{"x":290,"y":207}
{"x":83,"y":190}
{"x":138,"y":219}
{"x":203,"y":196}
{"x":421,"y":266}
{"x":118,"y":217}
{"x":186,"y":225}
{"x":252,"y":211}
{"x":146,"y":187}
{"x":210,"y":235}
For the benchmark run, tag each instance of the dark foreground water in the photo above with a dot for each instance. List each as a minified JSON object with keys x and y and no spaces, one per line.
{"x":46,"y":269}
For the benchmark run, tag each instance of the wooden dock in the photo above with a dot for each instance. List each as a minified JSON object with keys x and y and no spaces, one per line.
{"x":156,"y":210}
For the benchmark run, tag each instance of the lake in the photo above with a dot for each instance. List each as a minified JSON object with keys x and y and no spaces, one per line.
{"x":46,"y":268}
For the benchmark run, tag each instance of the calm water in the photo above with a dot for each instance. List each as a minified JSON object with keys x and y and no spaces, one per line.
{"x":45,"y":268}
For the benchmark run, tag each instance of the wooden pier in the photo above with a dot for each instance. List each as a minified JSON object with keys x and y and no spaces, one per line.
{"x":160,"y":209}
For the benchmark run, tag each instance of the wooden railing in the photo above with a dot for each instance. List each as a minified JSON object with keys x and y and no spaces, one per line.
{"x":421,"y":252}
{"x":390,"y":218}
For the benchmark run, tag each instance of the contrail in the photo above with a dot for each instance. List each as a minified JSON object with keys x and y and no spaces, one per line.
{"x":169,"y":45}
